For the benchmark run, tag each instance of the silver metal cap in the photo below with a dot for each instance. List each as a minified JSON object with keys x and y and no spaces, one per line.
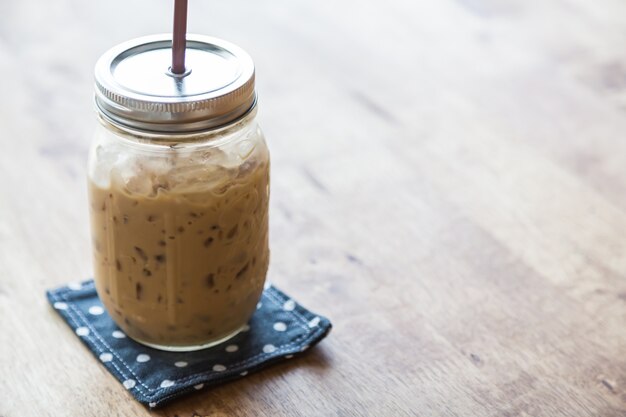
{"x":135,"y":87}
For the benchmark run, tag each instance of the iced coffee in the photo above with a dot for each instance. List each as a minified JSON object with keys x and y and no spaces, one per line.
{"x":180,"y":239}
{"x":178,"y":189}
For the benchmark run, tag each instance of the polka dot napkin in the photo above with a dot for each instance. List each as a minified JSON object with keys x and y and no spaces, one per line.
{"x":279,"y":330}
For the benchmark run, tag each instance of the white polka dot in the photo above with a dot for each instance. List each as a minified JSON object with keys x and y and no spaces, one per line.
{"x":166,"y":383}
{"x":279,"y":326}
{"x":129,"y":383}
{"x":106,"y":357}
{"x":289,"y":305}
{"x":314,"y":322}
{"x":259,"y":305}
{"x":142,"y":357}
{"x":219,"y":368}
{"x":267,"y":285}
{"x":75,"y":286}
{"x":82,"y":331}
{"x":199,"y":386}
{"x":269,"y":348}
{"x":151,"y":405}
{"x":118,"y":334}
{"x":180,"y":364}
{"x":305,"y":347}
{"x":245,"y":328}
{"x":244,"y":373}
{"x":60,"y":305}
{"x":96,"y":310}
{"x":232,"y":348}
{"x":288,"y":356}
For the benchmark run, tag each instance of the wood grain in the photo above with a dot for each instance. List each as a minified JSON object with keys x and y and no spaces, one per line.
{"x":449,"y":187}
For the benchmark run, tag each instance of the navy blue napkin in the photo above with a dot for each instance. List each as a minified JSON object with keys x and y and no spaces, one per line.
{"x":279,"y":329}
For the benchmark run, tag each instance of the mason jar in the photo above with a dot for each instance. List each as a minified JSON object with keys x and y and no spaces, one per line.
{"x":178,"y":179}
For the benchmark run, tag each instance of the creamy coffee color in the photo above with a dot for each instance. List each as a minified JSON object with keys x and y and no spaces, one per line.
{"x":180,"y":240}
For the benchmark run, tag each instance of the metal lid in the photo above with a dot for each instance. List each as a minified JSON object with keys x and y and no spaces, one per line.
{"x":135,"y":87}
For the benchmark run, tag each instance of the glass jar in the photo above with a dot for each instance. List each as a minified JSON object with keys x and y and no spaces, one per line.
{"x":179,"y":215}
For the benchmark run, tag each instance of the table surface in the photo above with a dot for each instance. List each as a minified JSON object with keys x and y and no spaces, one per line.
{"x":449,"y":187}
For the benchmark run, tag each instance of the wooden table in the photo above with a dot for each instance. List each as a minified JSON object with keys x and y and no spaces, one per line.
{"x":449,"y":187}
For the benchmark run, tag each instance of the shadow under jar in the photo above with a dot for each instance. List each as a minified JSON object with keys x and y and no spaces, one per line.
{"x":179,"y":191}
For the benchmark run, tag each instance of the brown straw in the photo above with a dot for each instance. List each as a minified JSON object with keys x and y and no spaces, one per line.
{"x":179,"y":42}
